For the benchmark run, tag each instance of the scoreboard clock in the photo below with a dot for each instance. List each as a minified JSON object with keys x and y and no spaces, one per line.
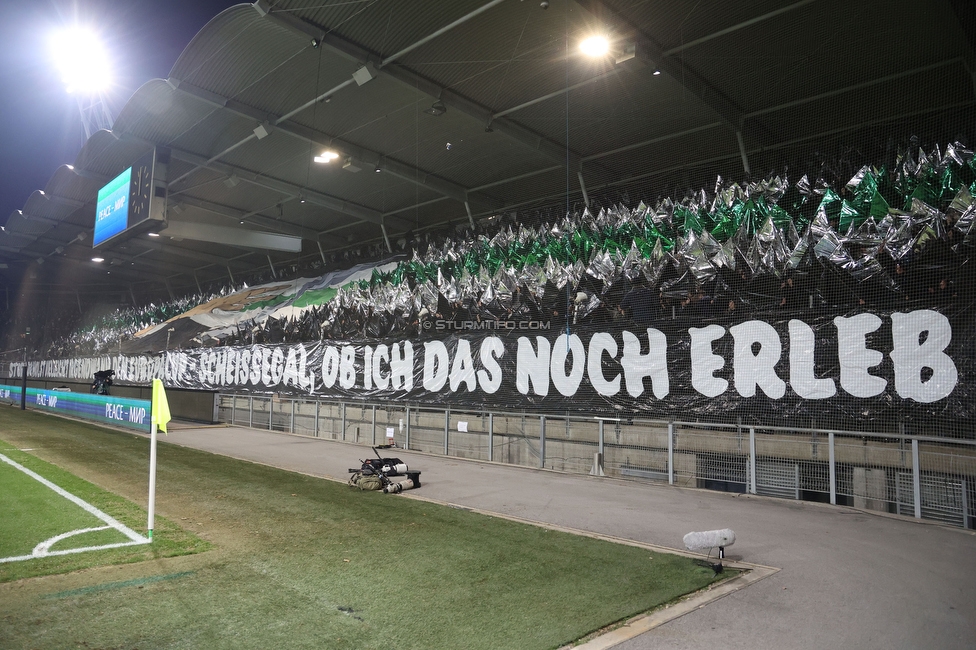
{"x":140,"y":188}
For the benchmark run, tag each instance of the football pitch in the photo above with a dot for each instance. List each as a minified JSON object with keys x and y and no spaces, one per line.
{"x":291,"y":561}
{"x":52,"y":521}
{"x":36,"y":510}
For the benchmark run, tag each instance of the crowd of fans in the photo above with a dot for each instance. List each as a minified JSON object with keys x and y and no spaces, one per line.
{"x":888,"y":238}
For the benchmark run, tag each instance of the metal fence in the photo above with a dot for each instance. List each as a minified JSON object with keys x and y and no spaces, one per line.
{"x":917,"y":476}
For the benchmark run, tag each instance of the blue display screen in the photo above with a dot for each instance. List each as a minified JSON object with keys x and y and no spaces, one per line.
{"x":117,"y":411}
{"x":112,"y":209}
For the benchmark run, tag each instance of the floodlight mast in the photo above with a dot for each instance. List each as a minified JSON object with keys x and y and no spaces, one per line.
{"x":95,"y":115}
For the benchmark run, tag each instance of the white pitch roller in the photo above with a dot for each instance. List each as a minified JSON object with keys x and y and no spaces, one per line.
{"x":709,"y":539}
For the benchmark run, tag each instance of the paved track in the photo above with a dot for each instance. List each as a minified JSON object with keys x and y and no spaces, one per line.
{"x":849,"y":579}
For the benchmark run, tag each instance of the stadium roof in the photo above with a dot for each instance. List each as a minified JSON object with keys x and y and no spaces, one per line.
{"x":448,"y":112}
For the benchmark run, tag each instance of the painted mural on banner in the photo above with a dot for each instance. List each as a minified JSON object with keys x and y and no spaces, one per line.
{"x":861,"y":366}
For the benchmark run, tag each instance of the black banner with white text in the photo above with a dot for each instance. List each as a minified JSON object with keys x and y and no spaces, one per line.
{"x":861,"y":367}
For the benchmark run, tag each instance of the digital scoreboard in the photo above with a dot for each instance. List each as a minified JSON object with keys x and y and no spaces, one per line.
{"x":112,"y":209}
{"x":135,"y":197}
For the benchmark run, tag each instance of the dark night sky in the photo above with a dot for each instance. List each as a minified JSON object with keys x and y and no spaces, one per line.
{"x":41,"y":124}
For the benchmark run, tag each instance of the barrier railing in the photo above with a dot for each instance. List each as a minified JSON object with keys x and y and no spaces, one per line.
{"x":913,"y":475}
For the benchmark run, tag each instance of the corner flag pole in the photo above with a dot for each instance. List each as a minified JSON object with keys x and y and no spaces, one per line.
{"x":152,"y":475}
{"x":160,"y":416}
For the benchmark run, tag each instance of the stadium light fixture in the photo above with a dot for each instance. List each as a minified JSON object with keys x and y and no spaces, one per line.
{"x":326,"y":157}
{"x":82,"y":60}
{"x":595,"y":46}
{"x":98,"y":260}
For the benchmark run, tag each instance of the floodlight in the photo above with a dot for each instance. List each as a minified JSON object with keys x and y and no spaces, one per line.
{"x":98,"y":259}
{"x":82,"y":60}
{"x":326,"y":157}
{"x":595,"y":46}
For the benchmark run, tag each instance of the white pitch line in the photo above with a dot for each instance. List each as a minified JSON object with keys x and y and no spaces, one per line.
{"x":43,"y":549}
{"x":135,"y":537}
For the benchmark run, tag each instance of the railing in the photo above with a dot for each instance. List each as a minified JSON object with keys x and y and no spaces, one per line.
{"x":917,"y":476}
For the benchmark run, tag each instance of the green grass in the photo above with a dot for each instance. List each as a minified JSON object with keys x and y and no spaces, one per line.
{"x":32,"y":513}
{"x":303,"y":562}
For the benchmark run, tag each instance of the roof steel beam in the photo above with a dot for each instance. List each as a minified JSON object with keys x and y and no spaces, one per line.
{"x":737,"y":27}
{"x":284,"y":187}
{"x":671,"y":52}
{"x":858,"y":86}
{"x":327,"y":38}
{"x":396,"y":168}
{"x":690,"y":79}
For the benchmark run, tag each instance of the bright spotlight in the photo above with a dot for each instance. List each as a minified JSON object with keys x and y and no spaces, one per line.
{"x":595,"y":46}
{"x":82,"y":60}
{"x":326,"y":157}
